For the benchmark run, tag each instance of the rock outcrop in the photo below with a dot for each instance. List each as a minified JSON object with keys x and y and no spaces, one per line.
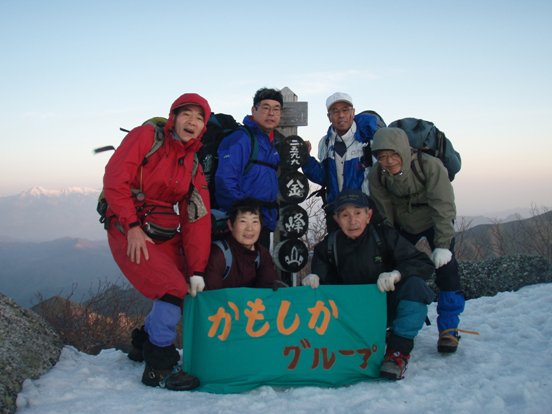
{"x":502,"y":274}
{"x":29,"y":347}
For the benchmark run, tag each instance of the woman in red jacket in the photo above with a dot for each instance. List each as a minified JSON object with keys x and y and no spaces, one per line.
{"x":146,"y":235}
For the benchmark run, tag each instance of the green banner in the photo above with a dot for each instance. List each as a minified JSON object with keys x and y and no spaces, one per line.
{"x":239,"y":339}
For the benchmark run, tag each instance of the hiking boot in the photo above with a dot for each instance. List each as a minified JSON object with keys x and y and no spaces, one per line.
{"x":139,"y":336}
{"x":394,"y":365}
{"x":448,"y":341}
{"x":174,"y":379}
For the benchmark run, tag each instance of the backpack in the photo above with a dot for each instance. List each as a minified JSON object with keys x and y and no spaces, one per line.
{"x":159,"y":138}
{"x":225,"y":248}
{"x":425,"y":136}
{"x":219,"y":126}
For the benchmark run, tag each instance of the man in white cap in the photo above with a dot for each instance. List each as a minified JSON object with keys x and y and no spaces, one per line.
{"x":344,"y":152}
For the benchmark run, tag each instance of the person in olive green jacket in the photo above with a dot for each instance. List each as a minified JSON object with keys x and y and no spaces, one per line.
{"x":419,"y":202}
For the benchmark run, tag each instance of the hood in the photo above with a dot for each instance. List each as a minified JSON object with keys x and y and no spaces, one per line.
{"x":366,"y":126}
{"x":189,"y":98}
{"x":393,"y":139}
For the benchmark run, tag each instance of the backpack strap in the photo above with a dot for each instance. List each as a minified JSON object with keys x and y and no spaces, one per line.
{"x":418,"y":159}
{"x":323,"y":190}
{"x":195,"y":167}
{"x":158,"y":141}
{"x":381,"y":248}
{"x":254,"y":151}
{"x":417,"y":168}
{"x":331,"y":252}
{"x":225,"y":249}
{"x":381,"y":178}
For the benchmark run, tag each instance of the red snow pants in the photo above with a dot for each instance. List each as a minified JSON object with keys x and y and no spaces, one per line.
{"x":164,"y":272}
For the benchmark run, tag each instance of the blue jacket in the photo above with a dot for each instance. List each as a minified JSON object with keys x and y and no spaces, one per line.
{"x":260,"y":182}
{"x":355,"y":170}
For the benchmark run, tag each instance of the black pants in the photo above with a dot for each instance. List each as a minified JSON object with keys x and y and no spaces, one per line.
{"x":446,"y":277}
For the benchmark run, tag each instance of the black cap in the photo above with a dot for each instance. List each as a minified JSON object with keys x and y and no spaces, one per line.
{"x":351,"y":197}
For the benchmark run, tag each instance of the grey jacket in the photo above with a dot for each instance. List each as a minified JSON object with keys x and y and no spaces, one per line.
{"x":404,"y":200}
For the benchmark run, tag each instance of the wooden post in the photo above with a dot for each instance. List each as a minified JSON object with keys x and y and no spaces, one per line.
{"x":294,"y":114}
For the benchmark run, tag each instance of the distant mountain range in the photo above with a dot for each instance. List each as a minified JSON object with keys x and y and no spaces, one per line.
{"x":51,"y":268}
{"x":47,"y":243}
{"x":532,"y":235}
{"x":40,"y":215}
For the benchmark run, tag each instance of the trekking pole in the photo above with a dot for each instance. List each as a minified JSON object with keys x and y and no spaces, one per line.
{"x":103,"y":149}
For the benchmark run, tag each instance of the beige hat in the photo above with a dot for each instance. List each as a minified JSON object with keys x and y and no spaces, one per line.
{"x":338,"y":97}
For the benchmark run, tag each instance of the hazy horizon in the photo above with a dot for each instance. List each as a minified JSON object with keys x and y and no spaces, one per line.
{"x":73,"y":73}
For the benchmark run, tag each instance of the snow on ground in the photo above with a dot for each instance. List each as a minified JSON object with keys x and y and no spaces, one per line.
{"x":506,"y":369}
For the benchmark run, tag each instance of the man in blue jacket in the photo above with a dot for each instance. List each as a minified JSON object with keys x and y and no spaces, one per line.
{"x":238,"y":176}
{"x":344,"y":152}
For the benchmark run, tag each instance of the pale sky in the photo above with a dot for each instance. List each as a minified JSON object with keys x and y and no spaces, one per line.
{"x":72,"y":73}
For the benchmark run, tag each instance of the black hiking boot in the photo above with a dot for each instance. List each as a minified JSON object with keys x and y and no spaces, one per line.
{"x":394,"y":365}
{"x":162,"y":369}
{"x":139,"y":336}
{"x":174,"y":379}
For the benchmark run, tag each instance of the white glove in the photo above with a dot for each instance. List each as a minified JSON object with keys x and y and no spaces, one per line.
{"x":311,"y":280}
{"x":197,"y":284}
{"x":441,"y":257}
{"x":386,"y":281}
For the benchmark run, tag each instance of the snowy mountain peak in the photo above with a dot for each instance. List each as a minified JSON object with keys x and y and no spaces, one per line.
{"x":78,"y":190}
{"x":37,"y":192}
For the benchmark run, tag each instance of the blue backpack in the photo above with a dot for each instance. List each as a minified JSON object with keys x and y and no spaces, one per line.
{"x":425,"y":136}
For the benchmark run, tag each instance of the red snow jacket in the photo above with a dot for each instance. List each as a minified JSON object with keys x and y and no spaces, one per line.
{"x":165,"y":180}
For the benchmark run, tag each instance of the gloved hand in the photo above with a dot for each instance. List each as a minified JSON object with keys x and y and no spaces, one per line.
{"x":197,"y":284}
{"x":311,"y":280}
{"x":386,"y":281}
{"x":441,"y":257}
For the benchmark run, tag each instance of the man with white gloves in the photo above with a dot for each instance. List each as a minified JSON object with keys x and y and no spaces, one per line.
{"x":413,"y":192}
{"x":364,"y":253}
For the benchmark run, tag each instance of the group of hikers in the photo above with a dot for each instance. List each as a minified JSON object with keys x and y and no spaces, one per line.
{"x":377,"y":209}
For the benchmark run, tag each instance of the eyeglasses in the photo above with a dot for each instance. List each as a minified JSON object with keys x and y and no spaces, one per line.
{"x":385,"y":157}
{"x":266,"y":109}
{"x":345,"y":111}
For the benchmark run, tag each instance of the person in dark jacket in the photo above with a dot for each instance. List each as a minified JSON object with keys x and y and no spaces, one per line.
{"x":344,"y":152}
{"x":365,"y":253}
{"x":232,"y":182}
{"x":141,"y":194}
{"x":250,"y":263}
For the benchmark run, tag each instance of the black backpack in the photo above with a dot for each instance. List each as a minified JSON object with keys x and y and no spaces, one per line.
{"x":219,"y":126}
